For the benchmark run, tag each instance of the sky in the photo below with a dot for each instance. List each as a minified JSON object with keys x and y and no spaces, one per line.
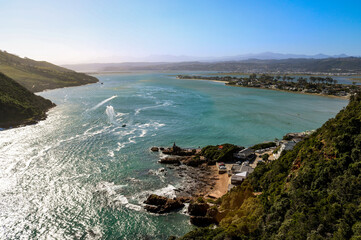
{"x":83,"y":31}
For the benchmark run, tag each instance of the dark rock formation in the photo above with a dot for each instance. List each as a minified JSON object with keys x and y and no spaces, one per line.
{"x":154,"y":149}
{"x":170,"y":160}
{"x":200,"y":221}
{"x":159,"y":204}
{"x":198,"y":209}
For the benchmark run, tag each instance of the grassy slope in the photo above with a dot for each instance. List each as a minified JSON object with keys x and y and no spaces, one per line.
{"x":39,"y":75}
{"x":311,"y":192}
{"x":18,"y":105}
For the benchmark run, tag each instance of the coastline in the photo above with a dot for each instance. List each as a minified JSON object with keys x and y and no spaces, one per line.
{"x":304,"y":93}
{"x":49,"y":89}
{"x":281,"y":90}
{"x":36,"y":119}
{"x":225,"y":82}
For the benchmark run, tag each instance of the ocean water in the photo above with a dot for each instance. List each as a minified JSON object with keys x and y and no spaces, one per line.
{"x":81,"y":175}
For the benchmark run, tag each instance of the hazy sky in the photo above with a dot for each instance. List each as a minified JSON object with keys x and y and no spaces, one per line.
{"x":70,"y":31}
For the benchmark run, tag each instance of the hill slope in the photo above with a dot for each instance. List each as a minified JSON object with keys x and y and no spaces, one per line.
{"x":37,"y":76}
{"x":326,"y":65}
{"x":311,"y":192}
{"x":18,"y":105}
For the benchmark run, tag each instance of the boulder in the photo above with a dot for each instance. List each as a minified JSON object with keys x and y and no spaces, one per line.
{"x":170,"y":160}
{"x":198,"y":209}
{"x":152,"y":208}
{"x":159,"y":204}
{"x":185,"y":199}
{"x":154,"y":149}
{"x":191,"y":161}
{"x":156,"y":200}
{"x":171,"y":205}
{"x":201,"y":221}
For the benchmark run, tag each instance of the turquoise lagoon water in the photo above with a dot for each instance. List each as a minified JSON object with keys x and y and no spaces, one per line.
{"x":81,"y":175}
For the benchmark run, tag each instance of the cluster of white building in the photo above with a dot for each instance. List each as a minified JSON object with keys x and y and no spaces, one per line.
{"x":243,"y":168}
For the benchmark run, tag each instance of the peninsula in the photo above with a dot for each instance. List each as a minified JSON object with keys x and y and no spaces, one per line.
{"x":20,"y":78}
{"x":19,"y":106}
{"x":325,"y":86}
{"x":38,"y":76}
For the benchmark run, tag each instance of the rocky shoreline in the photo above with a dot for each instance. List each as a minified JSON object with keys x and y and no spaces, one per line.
{"x":199,"y":180}
{"x":203,"y":181}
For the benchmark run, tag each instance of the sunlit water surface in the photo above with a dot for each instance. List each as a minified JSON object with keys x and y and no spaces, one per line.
{"x":80,"y":174}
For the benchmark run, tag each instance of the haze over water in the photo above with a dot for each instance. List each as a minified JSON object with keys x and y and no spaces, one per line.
{"x":80,"y":173}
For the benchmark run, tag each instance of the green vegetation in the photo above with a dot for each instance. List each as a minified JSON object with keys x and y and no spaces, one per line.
{"x":310,"y":192}
{"x":263,"y":145}
{"x":219,"y":153}
{"x":37,"y":76}
{"x":287,"y":137}
{"x":314,"y":85}
{"x":18,"y":105}
{"x":265,"y":157}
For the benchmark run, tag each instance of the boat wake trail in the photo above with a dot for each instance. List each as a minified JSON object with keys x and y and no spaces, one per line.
{"x":102,"y":102}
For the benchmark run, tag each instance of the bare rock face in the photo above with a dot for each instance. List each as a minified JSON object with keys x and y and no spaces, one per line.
{"x":159,"y":204}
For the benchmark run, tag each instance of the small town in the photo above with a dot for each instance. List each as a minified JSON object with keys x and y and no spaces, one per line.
{"x":309,"y":85}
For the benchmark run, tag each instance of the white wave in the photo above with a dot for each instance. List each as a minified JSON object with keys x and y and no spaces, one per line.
{"x":156,"y":125}
{"x":105,"y":188}
{"x":167,"y":191}
{"x":144,"y":132}
{"x":134,"y":207}
{"x":102,"y":102}
{"x":114,"y":199}
{"x":110,"y":153}
{"x":165,"y":104}
{"x":121,"y":200}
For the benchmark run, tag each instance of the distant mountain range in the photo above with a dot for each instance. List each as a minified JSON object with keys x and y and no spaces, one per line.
{"x":278,"y":56}
{"x":185,"y":58}
{"x":305,"y":65}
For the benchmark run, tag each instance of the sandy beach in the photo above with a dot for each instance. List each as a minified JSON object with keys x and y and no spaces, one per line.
{"x":221,"y":183}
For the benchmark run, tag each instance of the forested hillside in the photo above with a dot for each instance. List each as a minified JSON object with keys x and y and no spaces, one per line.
{"x":311,"y":192}
{"x":37,"y":76}
{"x":18,"y":105}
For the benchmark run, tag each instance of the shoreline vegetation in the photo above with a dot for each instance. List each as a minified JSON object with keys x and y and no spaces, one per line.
{"x":320,"y":86}
{"x":20,"y":78}
{"x":211,"y":172}
{"x":19,"y":106}
{"x":38,"y":76}
{"x":310,"y":188}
